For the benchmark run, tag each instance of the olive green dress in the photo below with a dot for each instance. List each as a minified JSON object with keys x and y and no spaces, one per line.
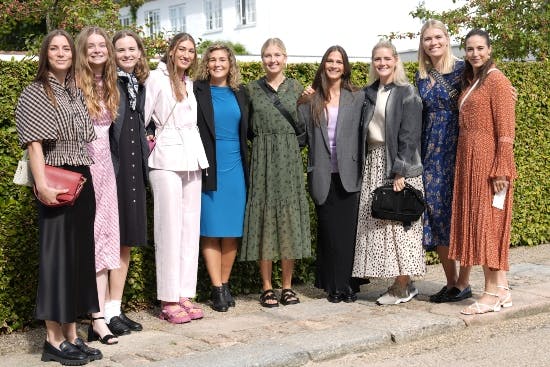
{"x":276,"y":222}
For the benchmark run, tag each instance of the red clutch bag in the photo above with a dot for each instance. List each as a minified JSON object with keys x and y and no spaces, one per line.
{"x":60,"y":178}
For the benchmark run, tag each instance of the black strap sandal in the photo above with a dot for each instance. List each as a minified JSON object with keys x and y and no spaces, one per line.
{"x":267,"y":296}
{"x":288,"y":297}
{"x":93,"y":335}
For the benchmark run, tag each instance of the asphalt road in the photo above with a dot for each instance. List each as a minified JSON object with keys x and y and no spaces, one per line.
{"x":509,"y":343}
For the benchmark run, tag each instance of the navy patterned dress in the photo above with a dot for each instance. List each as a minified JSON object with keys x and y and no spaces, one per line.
{"x":439,"y":139}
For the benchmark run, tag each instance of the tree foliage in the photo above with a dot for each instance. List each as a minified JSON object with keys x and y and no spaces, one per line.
{"x":518,"y":28}
{"x":47,"y":15}
{"x":134,"y":6}
{"x":239,"y":48}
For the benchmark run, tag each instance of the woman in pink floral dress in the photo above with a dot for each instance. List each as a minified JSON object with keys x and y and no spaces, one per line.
{"x":97,"y":78}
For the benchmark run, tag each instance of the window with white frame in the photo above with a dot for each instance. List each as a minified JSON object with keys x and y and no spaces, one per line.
{"x":125,"y":21}
{"x":177,"y":18}
{"x":213,"y":13}
{"x":152,"y":22}
{"x":246,"y":12}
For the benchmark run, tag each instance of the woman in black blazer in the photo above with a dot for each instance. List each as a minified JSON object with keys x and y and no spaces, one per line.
{"x":222,"y":122}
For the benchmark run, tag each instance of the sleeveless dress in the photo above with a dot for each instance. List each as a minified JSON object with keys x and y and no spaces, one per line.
{"x":439,"y":140}
{"x":222,"y":210}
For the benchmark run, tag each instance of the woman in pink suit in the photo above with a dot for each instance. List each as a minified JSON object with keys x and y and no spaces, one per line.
{"x":175,"y":175}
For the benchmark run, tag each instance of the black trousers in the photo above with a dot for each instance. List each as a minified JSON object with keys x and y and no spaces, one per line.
{"x":337,"y":225}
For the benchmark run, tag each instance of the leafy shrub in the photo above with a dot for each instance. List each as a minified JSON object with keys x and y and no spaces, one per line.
{"x":18,"y":226}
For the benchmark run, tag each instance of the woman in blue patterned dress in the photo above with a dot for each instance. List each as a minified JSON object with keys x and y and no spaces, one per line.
{"x":438,"y":81}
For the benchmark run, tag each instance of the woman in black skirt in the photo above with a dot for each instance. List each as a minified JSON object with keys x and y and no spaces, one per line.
{"x":53,"y":124}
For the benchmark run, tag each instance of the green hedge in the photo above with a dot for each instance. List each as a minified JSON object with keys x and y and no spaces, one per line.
{"x":18,"y":227}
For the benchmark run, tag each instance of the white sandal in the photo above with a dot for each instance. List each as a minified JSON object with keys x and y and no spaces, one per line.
{"x":506,"y":301}
{"x":477,"y":308}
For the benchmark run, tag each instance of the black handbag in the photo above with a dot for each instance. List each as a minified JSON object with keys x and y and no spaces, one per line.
{"x":404,"y":206}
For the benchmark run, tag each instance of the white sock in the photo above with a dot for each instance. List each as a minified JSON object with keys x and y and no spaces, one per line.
{"x":112,"y":309}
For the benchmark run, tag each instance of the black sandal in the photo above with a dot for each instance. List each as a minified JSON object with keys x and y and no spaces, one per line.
{"x":266,"y":296}
{"x":288,"y":297}
{"x":93,"y":335}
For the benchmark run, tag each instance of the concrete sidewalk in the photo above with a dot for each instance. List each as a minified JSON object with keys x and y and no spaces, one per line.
{"x":250,"y":335}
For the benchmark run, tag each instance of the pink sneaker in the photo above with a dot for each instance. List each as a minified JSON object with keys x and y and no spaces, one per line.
{"x":194,"y":312}
{"x":174,"y":315}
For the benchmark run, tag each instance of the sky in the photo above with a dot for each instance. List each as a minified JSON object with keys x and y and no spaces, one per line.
{"x":365,"y":22}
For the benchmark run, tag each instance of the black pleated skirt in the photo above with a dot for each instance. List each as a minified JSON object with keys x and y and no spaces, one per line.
{"x":337,"y":224}
{"x":67,"y":284}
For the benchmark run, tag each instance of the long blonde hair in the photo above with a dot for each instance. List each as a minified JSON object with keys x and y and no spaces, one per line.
{"x":399,"y":76}
{"x":93,"y":94}
{"x":424,"y":61}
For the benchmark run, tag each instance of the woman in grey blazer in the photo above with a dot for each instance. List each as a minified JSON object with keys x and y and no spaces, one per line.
{"x":332,"y":116}
{"x":392,"y":120}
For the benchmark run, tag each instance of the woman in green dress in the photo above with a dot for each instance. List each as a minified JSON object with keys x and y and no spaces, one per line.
{"x":277,"y":212}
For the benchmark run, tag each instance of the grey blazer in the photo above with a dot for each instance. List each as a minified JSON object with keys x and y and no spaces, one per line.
{"x":402,"y":129}
{"x":349,"y":145}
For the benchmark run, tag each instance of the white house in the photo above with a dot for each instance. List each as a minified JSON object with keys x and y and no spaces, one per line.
{"x":308,"y":27}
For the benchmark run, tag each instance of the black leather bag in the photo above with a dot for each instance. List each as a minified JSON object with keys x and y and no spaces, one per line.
{"x":404,"y":206}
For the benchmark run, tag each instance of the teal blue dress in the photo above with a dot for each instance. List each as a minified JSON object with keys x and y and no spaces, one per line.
{"x":222,"y":211}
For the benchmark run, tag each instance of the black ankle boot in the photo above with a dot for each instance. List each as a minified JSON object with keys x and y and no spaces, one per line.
{"x":227,"y":295}
{"x":219,"y":303}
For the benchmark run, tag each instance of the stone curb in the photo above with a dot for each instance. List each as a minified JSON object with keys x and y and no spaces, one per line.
{"x":369,"y":332}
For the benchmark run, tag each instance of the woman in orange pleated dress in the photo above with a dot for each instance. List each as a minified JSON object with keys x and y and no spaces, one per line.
{"x":485,"y":171}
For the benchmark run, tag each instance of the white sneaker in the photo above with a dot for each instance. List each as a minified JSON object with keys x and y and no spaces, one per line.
{"x":395,"y":295}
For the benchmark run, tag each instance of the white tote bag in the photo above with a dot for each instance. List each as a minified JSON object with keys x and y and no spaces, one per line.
{"x":23,"y":174}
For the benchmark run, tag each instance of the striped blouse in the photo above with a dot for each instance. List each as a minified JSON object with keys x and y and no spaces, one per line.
{"x":64,"y":130}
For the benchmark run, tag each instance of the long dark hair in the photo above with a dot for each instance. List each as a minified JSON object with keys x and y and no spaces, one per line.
{"x":320,"y":84}
{"x":42,"y":76}
{"x":468,"y":74}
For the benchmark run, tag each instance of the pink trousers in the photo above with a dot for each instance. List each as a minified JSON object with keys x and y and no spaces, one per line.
{"x":177,"y":212}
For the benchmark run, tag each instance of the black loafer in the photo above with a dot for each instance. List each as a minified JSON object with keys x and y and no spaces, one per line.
{"x":454,"y":294}
{"x":118,"y":327}
{"x":67,"y":354}
{"x":132,"y":325}
{"x":334,"y":297}
{"x":349,"y":297}
{"x":438,"y":297}
{"x":93,"y":353}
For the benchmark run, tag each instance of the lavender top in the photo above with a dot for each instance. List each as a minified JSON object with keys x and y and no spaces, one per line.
{"x":332,"y":119}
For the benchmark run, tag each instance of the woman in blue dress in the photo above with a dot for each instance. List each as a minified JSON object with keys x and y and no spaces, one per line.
{"x":438,"y":81}
{"x":222,"y":121}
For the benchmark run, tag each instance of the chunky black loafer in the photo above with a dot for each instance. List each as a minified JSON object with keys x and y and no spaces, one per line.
{"x":132,"y":325}
{"x":93,"y":353}
{"x":67,"y":354}
{"x":118,"y":327}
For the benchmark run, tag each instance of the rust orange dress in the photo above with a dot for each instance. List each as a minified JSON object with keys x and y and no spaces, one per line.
{"x":480,"y":233}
